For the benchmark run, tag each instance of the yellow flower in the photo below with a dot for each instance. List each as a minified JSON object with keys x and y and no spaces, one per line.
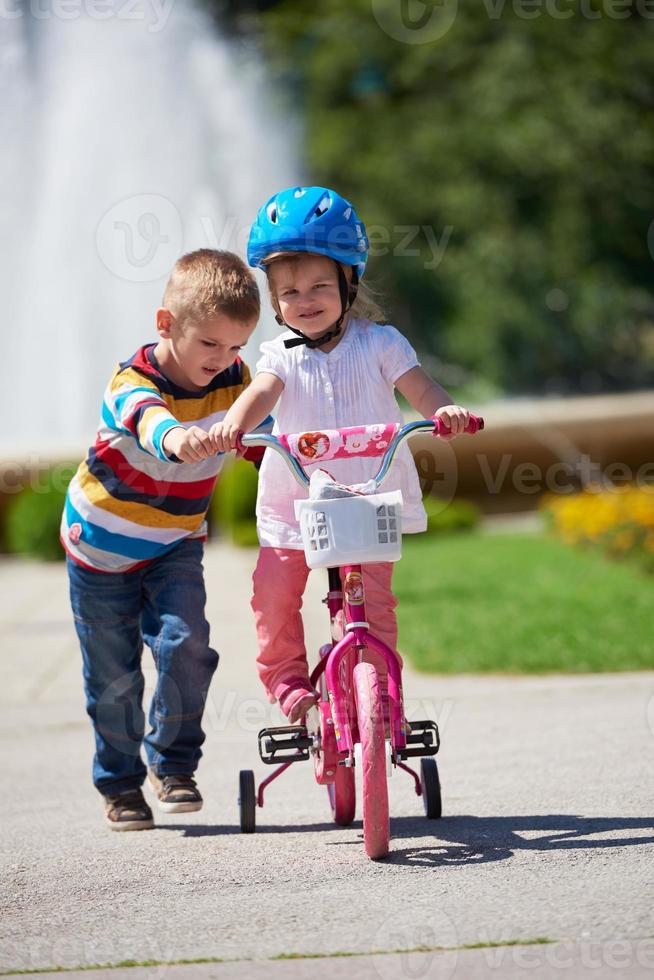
{"x":619,"y":518}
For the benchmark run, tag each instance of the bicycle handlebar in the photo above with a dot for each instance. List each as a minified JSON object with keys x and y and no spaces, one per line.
{"x":387,"y":440}
{"x":474,"y":425}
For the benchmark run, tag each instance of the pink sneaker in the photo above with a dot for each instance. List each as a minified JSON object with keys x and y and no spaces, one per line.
{"x":297,"y":702}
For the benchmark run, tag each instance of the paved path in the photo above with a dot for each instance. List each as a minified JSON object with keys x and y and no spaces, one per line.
{"x":548,"y":830}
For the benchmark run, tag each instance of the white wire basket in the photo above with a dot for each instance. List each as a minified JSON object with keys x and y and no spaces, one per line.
{"x":351,"y":530}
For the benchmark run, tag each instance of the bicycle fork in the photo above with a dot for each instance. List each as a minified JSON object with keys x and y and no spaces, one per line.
{"x":350,"y":636}
{"x":356,"y":638}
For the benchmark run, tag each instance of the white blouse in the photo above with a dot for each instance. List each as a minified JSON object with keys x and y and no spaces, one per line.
{"x":353,"y":384}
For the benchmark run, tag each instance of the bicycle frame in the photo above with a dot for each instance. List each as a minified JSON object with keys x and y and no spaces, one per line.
{"x":354,"y":696}
{"x":352,"y":600}
{"x":357,"y":637}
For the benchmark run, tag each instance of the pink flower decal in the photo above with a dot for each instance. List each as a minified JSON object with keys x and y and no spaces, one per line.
{"x":356,"y":443}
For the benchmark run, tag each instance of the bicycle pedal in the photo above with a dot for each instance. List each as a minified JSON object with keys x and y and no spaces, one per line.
{"x":423,"y":739}
{"x":289,"y":743}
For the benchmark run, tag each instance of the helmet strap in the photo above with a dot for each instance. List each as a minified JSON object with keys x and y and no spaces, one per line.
{"x":348,"y":291}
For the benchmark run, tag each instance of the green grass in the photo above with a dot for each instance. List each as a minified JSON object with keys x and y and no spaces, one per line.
{"x":538,"y":941}
{"x":520,"y":603}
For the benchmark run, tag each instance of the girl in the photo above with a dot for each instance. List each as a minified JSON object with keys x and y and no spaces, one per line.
{"x":333,"y":367}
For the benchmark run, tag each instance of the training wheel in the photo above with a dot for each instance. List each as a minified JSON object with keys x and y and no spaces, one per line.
{"x":431,"y":789}
{"x":247,"y":801}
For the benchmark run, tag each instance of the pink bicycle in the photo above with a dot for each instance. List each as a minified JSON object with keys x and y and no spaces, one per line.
{"x":359,"y":721}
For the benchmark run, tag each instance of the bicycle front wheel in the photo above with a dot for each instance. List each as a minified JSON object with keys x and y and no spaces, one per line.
{"x":376,"y":828}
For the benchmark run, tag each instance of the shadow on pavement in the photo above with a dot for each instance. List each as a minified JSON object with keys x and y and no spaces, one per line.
{"x":217,"y":830}
{"x":464,"y":840}
{"x":478,"y":840}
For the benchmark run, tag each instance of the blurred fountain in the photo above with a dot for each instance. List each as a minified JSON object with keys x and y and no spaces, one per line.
{"x":130,"y":134}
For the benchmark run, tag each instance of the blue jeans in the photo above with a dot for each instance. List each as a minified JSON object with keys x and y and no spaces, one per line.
{"x":161,"y":603}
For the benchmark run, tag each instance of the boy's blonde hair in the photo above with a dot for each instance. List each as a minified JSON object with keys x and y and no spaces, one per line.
{"x":365,"y":304}
{"x":208,"y":282}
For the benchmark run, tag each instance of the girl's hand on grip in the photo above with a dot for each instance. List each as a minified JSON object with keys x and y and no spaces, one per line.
{"x":453,"y":417}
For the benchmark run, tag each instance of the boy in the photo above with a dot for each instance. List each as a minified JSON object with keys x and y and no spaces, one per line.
{"x":133,"y":529}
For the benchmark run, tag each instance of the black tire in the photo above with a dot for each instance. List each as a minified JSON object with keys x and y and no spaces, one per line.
{"x":247,"y":801}
{"x":431,"y":789}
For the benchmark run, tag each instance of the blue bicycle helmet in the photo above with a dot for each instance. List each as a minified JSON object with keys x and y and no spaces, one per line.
{"x":315,"y":220}
{"x":309,"y":219}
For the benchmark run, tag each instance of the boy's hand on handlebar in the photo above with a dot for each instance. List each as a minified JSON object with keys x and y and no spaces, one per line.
{"x":190,"y":445}
{"x":224,"y":436}
{"x":453,"y":417}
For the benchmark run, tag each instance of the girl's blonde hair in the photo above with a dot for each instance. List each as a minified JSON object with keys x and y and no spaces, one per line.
{"x":365,"y":303}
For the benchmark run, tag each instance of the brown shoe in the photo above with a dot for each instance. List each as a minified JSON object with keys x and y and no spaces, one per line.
{"x":128,"y":811}
{"x":176,"y":792}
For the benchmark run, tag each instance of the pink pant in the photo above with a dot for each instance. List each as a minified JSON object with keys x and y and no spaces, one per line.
{"x":279,"y":582}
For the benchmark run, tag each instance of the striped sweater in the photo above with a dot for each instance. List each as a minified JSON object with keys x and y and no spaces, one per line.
{"x":129,"y":503}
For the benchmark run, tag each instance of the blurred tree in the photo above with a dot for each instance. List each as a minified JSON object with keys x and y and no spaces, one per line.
{"x":504,"y":170}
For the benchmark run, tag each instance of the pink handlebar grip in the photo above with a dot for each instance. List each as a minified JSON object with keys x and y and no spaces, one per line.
{"x":474,"y":425}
